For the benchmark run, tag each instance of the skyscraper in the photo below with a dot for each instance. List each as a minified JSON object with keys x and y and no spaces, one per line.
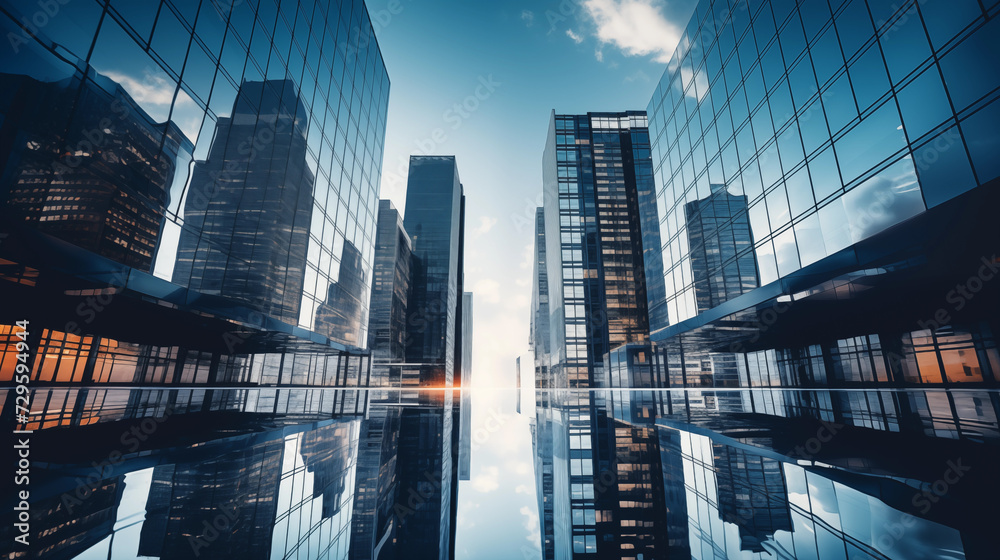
{"x":214,"y":168}
{"x":836,"y":162}
{"x":433,"y":218}
{"x":593,"y":168}
{"x":590,"y":299}
{"x":391,"y":283}
{"x":250,"y":206}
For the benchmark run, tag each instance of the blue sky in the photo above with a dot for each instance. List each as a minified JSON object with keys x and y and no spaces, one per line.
{"x":523,"y":59}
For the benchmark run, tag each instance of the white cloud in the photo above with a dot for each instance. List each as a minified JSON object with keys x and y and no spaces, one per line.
{"x":528,"y":17}
{"x":486,"y":223}
{"x":576,"y":38}
{"x":638,"y":75}
{"x":487,"y":480}
{"x":522,"y":489}
{"x":153,"y":88}
{"x":637,"y":27}
{"x":531,"y":524}
{"x":599,"y":55}
{"x":487,"y":290}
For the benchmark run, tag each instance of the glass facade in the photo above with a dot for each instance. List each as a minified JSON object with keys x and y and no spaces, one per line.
{"x":231,"y":147}
{"x":390,"y":287}
{"x":594,"y":168}
{"x":831,"y":121}
{"x":435,"y":202}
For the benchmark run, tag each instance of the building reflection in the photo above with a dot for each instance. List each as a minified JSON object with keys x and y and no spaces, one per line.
{"x":765,"y":472}
{"x":341,"y":316}
{"x":722,"y":260}
{"x":256,"y":473}
{"x":101,"y":180}
{"x":249,"y":205}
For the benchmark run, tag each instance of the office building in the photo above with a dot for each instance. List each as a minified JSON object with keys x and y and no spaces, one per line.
{"x":433,"y":217}
{"x":204,"y":168}
{"x":589,"y":308}
{"x":823,"y":175}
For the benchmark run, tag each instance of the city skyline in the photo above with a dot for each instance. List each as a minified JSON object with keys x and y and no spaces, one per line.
{"x":699,"y":236}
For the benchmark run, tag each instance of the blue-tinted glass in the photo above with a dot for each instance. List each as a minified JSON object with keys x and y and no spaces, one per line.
{"x":799,"y":188}
{"x":777,"y":208}
{"x":752,"y":185}
{"x":758,"y":221}
{"x":809,"y":238}
{"x":873,"y":140}
{"x":781,"y":105}
{"x":786,"y":252}
{"x":117,"y":56}
{"x":812,"y":125}
{"x":754,"y":85}
{"x":762,"y":129}
{"x":815,"y":14}
{"x":138,"y":15}
{"x":943,"y":167}
{"x":854,"y":27}
{"x":738,"y":107}
{"x":790,"y":147}
{"x":746,"y":144}
{"x":772,"y":66}
{"x":72,"y":27}
{"x":882,"y":12}
{"x":792,"y":39}
{"x":971,"y":70}
{"x":924,"y":104}
{"x":763,"y":26}
{"x":982,"y":134}
{"x":770,"y":166}
{"x":835,"y":226}
{"x":766,"y":264}
{"x":741,"y":18}
{"x":826,"y":56}
{"x":199,"y":71}
{"x":884,"y":200}
{"x":905,"y":46}
{"x":803,"y":83}
{"x":747,"y":52}
{"x":781,"y":10}
{"x":170,"y":40}
{"x":824,"y":173}
{"x":727,"y":42}
{"x":868,"y":78}
{"x":838,"y":102}
{"x":944,"y":20}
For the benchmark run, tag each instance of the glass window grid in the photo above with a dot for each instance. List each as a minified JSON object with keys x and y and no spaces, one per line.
{"x":668,"y":107}
{"x":359,"y":105}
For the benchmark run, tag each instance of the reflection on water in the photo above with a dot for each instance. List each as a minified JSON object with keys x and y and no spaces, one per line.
{"x":343,"y":473}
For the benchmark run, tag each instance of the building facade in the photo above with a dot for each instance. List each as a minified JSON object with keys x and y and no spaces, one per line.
{"x":589,"y":310}
{"x":216,"y":158}
{"x":435,"y":203}
{"x":830,"y":161}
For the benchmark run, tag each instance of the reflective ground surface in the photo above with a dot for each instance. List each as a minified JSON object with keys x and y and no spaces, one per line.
{"x":323,"y":473}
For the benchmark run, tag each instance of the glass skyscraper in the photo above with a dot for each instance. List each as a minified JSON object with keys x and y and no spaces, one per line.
{"x":594,"y":168}
{"x":819,"y":163}
{"x":435,"y":202}
{"x":232,"y":148}
{"x":589,"y":302}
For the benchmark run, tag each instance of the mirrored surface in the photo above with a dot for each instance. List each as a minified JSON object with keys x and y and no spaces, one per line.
{"x":348,"y":473}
